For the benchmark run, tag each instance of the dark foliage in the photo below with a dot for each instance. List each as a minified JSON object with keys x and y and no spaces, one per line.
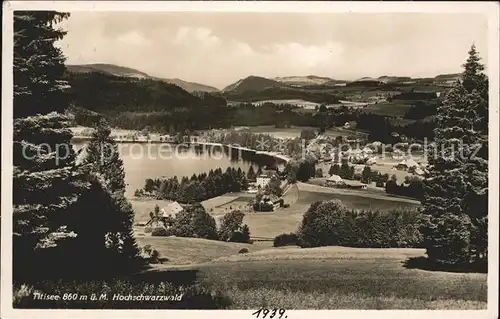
{"x":232,"y":228}
{"x":199,"y":187}
{"x":331,"y":223}
{"x":195,"y":222}
{"x":291,"y":239}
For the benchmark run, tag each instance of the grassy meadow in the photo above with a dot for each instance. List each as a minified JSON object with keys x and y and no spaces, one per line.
{"x":395,"y":108}
{"x":336,"y":278}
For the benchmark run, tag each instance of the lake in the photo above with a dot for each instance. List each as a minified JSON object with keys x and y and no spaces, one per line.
{"x":157,"y":160}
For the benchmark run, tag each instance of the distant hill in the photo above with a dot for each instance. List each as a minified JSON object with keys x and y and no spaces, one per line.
{"x":110,"y":69}
{"x":366,"y":81}
{"x":121,"y":71}
{"x":192,"y":86}
{"x":448,"y":77}
{"x":393,"y":79}
{"x":252,"y":83}
{"x":333,"y":82}
{"x":303,"y":80}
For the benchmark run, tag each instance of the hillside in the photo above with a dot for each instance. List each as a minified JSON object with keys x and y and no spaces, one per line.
{"x":192,"y":86}
{"x":392,"y":79}
{"x":110,"y":69}
{"x":303,"y":80}
{"x":252,"y":83}
{"x":121,"y":71}
{"x":447,"y":77}
{"x":134,"y":103}
{"x":102,"y":92}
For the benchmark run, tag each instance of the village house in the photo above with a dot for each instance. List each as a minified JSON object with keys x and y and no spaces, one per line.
{"x":406,"y":164}
{"x":355,"y":185}
{"x":171,"y":210}
{"x":334,"y":180}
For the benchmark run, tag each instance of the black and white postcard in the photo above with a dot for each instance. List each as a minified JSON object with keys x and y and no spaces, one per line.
{"x":283,"y":159}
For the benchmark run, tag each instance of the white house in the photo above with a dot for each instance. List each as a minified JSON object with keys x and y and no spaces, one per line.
{"x":406,"y":164}
{"x":333,"y":180}
{"x":171,"y":209}
{"x":262,"y":180}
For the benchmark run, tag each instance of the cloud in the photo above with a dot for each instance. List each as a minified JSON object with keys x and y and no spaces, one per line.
{"x":133,"y":38}
{"x":309,"y":56}
{"x":220,"y":48}
{"x":196,"y":38}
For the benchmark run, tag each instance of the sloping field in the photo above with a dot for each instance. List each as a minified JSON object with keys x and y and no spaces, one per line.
{"x":354,"y":199}
{"x":339,"y":278}
{"x":182,"y":251}
{"x":395,"y":108}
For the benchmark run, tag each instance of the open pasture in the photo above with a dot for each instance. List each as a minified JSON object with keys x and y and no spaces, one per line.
{"x":338,"y":278}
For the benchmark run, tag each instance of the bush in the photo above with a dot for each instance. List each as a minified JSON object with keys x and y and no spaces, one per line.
{"x":241,"y":236}
{"x":243,"y":251}
{"x":331,"y":223}
{"x":319,"y":172}
{"x":195,"y":222}
{"x":318,"y":223}
{"x":162,"y":231}
{"x":231,"y":224}
{"x":263,"y":207}
{"x":291,"y":239}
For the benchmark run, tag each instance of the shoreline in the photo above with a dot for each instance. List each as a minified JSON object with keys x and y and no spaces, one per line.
{"x":275,"y":155}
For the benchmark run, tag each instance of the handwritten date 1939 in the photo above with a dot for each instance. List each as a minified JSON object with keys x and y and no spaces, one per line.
{"x":270,"y":313}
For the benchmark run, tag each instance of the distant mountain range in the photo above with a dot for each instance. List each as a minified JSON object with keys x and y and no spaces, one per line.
{"x":117,"y":70}
{"x":257,"y":83}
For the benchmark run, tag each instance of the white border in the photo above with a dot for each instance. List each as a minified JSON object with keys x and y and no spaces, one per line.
{"x":489,"y":9}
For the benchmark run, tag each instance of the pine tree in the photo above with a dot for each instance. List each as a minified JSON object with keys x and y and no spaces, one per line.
{"x":38,"y":64}
{"x":103,"y":155}
{"x":366,"y":175}
{"x":473,"y":78}
{"x":46,"y":181}
{"x":476,"y":84}
{"x":105,"y":162}
{"x":455,"y":192}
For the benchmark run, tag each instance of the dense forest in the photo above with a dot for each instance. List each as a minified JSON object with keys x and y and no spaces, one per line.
{"x":197,"y":188}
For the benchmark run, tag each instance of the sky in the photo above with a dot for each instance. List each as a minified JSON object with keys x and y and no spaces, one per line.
{"x":218,"y":49}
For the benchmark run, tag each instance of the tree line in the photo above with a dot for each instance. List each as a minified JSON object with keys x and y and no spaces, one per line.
{"x":197,"y":188}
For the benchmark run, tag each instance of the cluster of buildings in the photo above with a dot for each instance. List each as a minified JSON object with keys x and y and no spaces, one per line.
{"x":411,"y":166}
